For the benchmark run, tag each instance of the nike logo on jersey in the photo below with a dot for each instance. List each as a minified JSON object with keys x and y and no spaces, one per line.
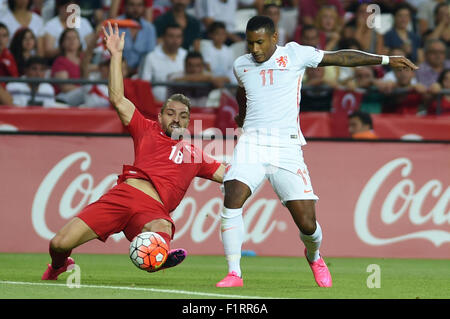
{"x":306,"y":192}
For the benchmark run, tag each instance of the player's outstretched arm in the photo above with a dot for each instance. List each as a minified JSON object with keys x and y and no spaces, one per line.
{"x":115,"y":43}
{"x":359,"y":58}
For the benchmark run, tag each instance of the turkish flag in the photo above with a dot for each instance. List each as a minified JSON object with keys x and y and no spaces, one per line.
{"x":344,"y":102}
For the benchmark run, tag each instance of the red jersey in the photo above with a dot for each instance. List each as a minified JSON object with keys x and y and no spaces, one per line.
{"x":170,"y":165}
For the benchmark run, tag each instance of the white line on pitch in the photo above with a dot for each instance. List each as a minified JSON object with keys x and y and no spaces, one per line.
{"x":182,"y":292}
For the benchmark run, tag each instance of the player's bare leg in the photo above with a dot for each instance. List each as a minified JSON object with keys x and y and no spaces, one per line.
{"x":164,"y":228}
{"x":236,"y":193}
{"x":75,"y":233}
{"x":304,"y":215}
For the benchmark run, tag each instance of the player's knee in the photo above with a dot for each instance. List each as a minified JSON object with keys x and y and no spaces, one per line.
{"x":60,"y":243}
{"x":158,"y":225}
{"x":236,"y":193}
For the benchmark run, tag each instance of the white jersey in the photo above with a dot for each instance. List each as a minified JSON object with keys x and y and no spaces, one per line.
{"x":273,"y":92}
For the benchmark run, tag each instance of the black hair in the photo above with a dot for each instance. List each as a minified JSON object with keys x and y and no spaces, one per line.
{"x":193,"y":54}
{"x":215,"y":26}
{"x":12,"y":5}
{"x":261,"y":22}
{"x":347,"y":43}
{"x":173,"y":25}
{"x":402,"y":6}
{"x":35,"y":59}
{"x":2,"y":25}
{"x":363,"y":116}
{"x":441,"y":77}
{"x":63,"y":36}
{"x":16,"y":47}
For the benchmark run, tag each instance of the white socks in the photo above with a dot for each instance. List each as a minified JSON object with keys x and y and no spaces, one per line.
{"x":232,"y":237}
{"x":312,"y":243}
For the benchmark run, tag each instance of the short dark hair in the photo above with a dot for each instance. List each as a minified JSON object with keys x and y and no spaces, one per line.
{"x":12,"y":4}
{"x":363,"y":116}
{"x":3,"y":26}
{"x":401,"y":6}
{"x":261,"y":22}
{"x":215,"y":26}
{"x":179,"y":98}
{"x":173,"y":25}
{"x":192,"y":55}
{"x":35,"y":59}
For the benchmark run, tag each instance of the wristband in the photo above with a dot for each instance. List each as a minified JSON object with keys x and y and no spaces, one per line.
{"x":385,"y":60}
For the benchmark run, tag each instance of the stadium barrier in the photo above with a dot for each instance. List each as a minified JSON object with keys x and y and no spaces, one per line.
{"x":377,"y":199}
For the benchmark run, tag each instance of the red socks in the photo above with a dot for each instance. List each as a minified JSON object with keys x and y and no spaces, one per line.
{"x":58,"y":258}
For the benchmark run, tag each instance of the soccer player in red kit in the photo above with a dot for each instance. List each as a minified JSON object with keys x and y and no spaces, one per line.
{"x":151,"y":188}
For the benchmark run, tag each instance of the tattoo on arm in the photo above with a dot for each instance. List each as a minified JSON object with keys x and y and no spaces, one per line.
{"x":350,"y":58}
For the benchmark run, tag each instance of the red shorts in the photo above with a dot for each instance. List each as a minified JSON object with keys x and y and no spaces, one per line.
{"x":123,"y":208}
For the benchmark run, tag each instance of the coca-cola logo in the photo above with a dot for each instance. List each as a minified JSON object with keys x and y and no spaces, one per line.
{"x":198,"y":221}
{"x":412,"y":199}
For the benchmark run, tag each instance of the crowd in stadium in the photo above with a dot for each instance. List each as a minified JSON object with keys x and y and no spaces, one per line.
{"x":197,"y":41}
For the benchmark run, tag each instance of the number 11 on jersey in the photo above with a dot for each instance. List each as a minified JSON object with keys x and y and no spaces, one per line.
{"x":263,"y":76}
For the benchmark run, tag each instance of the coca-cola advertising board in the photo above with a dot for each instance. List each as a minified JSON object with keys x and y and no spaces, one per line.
{"x":376,"y":199}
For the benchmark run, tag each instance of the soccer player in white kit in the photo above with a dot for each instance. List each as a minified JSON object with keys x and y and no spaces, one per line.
{"x":269,"y":84}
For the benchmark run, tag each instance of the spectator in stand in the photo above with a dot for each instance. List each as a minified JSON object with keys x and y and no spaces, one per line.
{"x":273,"y":11}
{"x":369,"y":39}
{"x":400,"y":37}
{"x":408,"y":102}
{"x":310,"y":35}
{"x":426,"y":15}
{"x":138,"y":42}
{"x":434,"y":64}
{"x":19,"y":15}
{"x":8,"y":66}
{"x":329,"y":22}
{"x":92,"y":10}
{"x":364,"y":79}
{"x":195,"y":71}
{"x":117,"y":8}
{"x":56,"y":26}
{"x":209,"y":11}
{"x":190,"y":25}
{"x":309,"y":9}
{"x":442,"y":22}
{"x":314,"y":97}
{"x":27,"y":94}
{"x":23,"y":46}
{"x":68,"y":64}
{"x":97,"y":95}
{"x":441,"y":103}
{"x":360,"y":126}
{"x":166,"y":59}
{"x":216,"y":54}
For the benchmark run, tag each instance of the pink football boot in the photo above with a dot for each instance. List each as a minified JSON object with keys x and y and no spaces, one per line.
{"x":320,"y":271}
{"x":231,"y":280}
{"x":175,"y":257}
{"x":52,"y":274}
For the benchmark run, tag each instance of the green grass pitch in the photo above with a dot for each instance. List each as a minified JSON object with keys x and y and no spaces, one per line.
{"x":114,"y":276}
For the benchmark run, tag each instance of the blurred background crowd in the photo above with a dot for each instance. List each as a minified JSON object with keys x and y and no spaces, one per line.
{"x":188,"y":41}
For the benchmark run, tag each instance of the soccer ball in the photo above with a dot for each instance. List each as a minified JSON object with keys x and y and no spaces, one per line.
{"x":148,"y":251}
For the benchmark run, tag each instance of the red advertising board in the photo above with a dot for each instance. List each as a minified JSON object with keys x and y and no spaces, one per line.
{"x":376,"y":199}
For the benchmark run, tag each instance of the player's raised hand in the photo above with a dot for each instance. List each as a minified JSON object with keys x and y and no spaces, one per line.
{"x":112,"y":40}
{"x":401,"y":62}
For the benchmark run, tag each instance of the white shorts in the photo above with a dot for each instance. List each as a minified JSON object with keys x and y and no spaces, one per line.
{"x":282,"y":166}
